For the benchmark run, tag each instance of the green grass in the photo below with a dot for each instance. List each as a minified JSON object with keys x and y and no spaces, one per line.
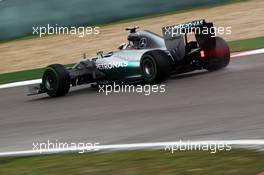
{"x":23,"y":75}
{"x":242,"y":162}
{"x":247,"y":44}
{"x":20,"y":76}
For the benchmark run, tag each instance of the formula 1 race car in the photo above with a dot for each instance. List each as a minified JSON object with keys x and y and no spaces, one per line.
{"x":147,"y":57}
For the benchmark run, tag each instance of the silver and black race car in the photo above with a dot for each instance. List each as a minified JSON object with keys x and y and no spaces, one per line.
{"x":146,"y":57}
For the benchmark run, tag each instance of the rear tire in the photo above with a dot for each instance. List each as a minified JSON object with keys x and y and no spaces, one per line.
{"x":217,"y":57}
{"x":155,"y":66}
{"x":56,"y":80}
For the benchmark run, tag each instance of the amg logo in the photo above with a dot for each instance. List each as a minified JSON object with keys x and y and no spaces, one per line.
{"x":112,"y":65}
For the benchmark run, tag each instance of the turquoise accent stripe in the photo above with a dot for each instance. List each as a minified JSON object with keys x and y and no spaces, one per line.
{"x":132,"y":64}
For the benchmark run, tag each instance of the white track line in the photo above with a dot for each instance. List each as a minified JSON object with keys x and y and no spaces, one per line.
{"x":30,"y":82}
{"x":20,"y":83}
{"x":135,"y":146}
{"x":247,"y":53}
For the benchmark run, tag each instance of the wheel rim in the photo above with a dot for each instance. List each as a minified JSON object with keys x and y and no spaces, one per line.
{"x":50,"y":80}
{"x":49,"y":84}
{"x":148,"y":68}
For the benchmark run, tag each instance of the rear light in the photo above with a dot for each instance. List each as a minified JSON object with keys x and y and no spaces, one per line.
{"x":202,"y":54}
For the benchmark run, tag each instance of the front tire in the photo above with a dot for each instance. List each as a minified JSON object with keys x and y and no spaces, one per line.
{"x":218,"y":56}
{"x":56,"y":80}
{"x":155,"y":66}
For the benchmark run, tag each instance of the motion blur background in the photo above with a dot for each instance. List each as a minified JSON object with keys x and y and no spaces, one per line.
{"x":18,"y":16}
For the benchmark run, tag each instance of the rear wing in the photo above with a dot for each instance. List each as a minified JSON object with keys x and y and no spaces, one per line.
{"x":204,"y":32}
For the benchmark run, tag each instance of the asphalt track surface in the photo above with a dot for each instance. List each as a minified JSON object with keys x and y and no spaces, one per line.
{"x":227,"y":104}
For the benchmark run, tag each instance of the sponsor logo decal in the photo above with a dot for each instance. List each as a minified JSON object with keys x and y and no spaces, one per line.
{"x":112,"y":65}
